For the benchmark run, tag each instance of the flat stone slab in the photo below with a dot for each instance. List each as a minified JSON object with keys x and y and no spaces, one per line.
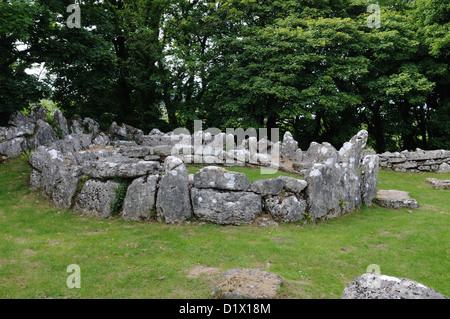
{"x":395,"y":199}
{"x":244,"y":283}
{"x":375,"y":286}
{"x":439,"y":183}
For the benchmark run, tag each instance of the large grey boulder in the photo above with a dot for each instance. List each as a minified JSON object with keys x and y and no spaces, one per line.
{"x":395,"y":199}
{"x":350,"y":157}
{"x":243,"y":283}
{"x":22,"y":122}
{"x":375,"y":286}
{"x":75,"y":126}
{"x":266,"y":187}
{"x":38,"y":113}
{"x":351,"y":152}
{"x":324,"y":192}
{"x":9,"y":133}
{"x":113,"y":167}
{"x":369,"y":178}
{"x":288,"y":147}
{"x":51,"y":166}
{"x":316,"y":154}
{"x":444,"y":168}
{"x":100,"y":139}
{"x":293,"y":185}
{"x":13,"y":148}
{"x":173,"y":202}
{"x":71,"y":143}
{"x":127,"y":132}
{"x":439,"y":183}
{"x":66,"y":186}
{"x":136,"y":151}
{"x":61,"y":122}
{"x":97,"y":198}
{"x":44,"y":135}
{"x":289,"y":210}
{"x":53,"y":177}
{"x":226,"y":208}
{"x":140,"y":198}
{"x":91,"y":126}
{"x":220,"y":178}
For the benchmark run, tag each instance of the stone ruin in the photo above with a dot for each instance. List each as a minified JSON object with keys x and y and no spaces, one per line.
{"x":125,"y":173}
{"x":437,"y":161}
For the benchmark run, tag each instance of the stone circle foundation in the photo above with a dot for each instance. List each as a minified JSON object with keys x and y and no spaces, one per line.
{"x":125,"y":173}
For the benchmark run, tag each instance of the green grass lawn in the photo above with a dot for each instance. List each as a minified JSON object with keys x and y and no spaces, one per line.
{"x":253,"y":173}
{"x":121,"y":259}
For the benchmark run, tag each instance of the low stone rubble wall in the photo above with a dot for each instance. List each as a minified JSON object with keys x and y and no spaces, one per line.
{"x":437,"y":161}
{"x":125,"y":173}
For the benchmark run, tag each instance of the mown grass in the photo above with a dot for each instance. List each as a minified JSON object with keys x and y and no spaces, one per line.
{"x":253,"y":173}
{"x":121,"y":259}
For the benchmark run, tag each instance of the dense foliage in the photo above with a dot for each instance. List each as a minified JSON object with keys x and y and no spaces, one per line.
{"x":313,"y":67}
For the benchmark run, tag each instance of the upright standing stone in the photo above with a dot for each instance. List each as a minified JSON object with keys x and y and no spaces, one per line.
{"x":140,"y":198}
{"x":369,"y":178}
{"x":350,"y":157}
{"x":173,"y":201}
{"x":288,"y":147}
{"x":97,"y":198}
{"x":44,"y":135}
{"x":324,"y":192}
{"x":61,"y":122}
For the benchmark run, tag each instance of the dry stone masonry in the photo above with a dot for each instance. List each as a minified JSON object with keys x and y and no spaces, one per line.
{"x":125,"y":173}
{"x":437,"y":161}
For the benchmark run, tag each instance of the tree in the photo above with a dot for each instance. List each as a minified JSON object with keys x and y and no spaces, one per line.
{"x":17,"y":54}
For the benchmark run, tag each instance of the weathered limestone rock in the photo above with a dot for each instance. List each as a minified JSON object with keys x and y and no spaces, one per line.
{"x":266,"y":187}
{"x":35,"y":180}
{"x":173,"y":201}
{"x":220,"y":178}
{"x":288,"y":147}
{"x":369,"y":178}
{"x":43,"y":136}
{"x":91,"y":126}
{"x":316,"y":153}
{"x":76,"y":127}
{"x":374,"y":286}
{"x":289,"y":210}
{"x":66,"y":186}
{"x":12,"y":148}
{"x":395,"y":199}
{"x":127,"y":131}
{"x":38,"y":113}
{"x":324,"y":192}
{"x":140,"y":198}
{"x":292,"y":184}
{"x":417,"y":161}
{"x":444,"y":168}
{"x":439,"y":183}
{"x":61,"y":122}
{"x":350,"y":158}
{"x":22,"y":122}
{"x":97,"y":198}
{"x":241,"y":283}
{"x":351,"y":152}
{"x":12,"y":132}
{"x":225,"y":208}
{"x":109,"y":168}
{"x":101,"y":139}
{"x":71,"y":143}
{"x":136,"y":151}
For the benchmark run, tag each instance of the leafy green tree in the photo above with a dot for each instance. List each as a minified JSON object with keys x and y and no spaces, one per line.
{"x":17,"y":46}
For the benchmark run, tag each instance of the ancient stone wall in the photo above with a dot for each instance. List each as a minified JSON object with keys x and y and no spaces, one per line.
{"x":437,"y":161}
{"x":134,"y":176}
